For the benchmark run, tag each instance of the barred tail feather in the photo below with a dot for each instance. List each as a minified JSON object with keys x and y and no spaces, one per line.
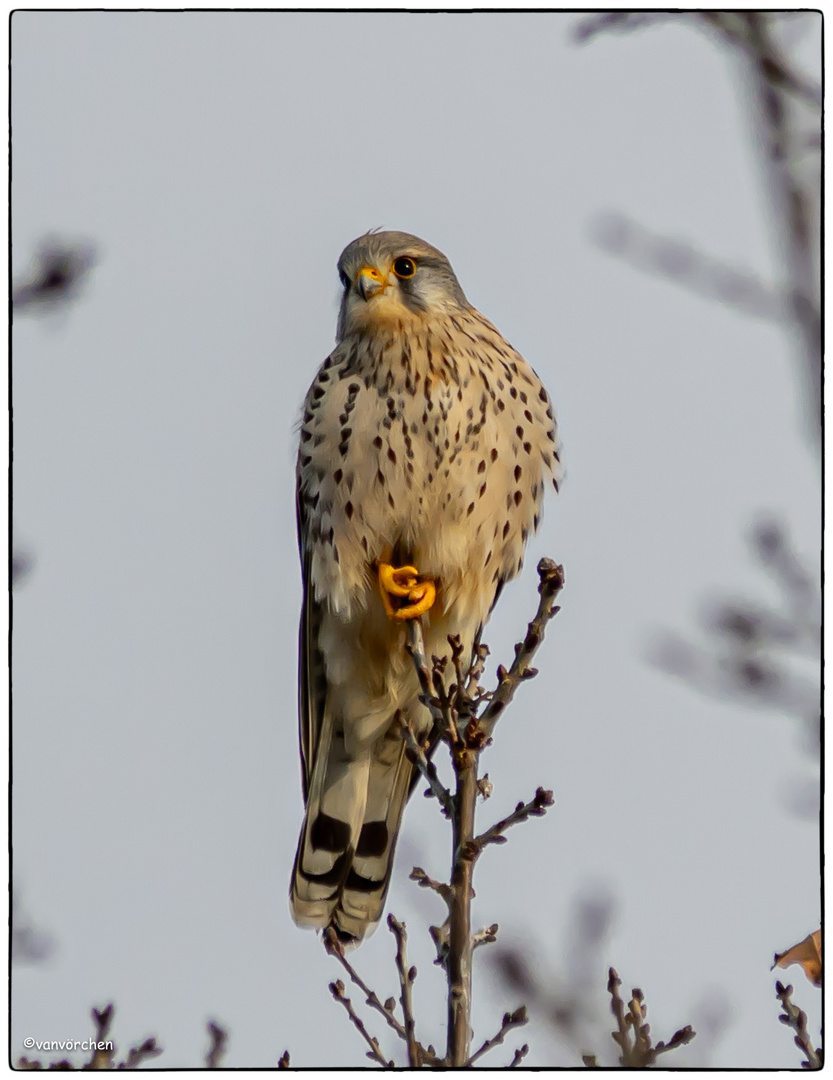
{"x":345,"y":851}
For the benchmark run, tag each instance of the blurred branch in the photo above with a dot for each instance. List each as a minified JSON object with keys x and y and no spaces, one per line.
{"x":28,"y":944}
{"x":730,"y":27}
{"x":777,"y":88}
{"x":735,"y":28}
{"x":618,"y":21}
{"x":770,"y":77}
{"x":796,"y":1019}
{"x":59,"y":271}
{"x":103,"y":1054}
{"x":217,"y":1047}
{"x":684,"y":265}
{"x":751,"y":646}
{"x":22,"y":563}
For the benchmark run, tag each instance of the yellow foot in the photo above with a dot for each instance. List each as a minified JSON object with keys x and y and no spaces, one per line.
{"x":402,"y":583}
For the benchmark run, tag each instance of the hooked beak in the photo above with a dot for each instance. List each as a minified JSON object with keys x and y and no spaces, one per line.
{"x":369,"y":282}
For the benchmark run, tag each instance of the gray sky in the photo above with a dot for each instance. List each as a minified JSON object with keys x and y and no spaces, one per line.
{"x":220,"y":162}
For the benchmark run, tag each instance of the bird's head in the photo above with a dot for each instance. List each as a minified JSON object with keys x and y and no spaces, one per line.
{"x":392,"y":278}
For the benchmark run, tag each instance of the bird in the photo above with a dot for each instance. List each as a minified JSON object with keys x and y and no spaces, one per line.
{"x":425,"y":446}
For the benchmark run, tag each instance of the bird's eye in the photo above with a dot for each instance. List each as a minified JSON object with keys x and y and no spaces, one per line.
{"x":404,"y":267}
{"x":343,"y":278}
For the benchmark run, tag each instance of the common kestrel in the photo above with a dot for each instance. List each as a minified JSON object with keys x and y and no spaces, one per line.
{"x":425,"y":448}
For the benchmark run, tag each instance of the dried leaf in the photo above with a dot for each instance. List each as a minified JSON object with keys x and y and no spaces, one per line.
{"x":807,"y":953}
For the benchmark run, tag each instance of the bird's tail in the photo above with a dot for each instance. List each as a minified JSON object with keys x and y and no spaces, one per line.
{"x":346,"y":847}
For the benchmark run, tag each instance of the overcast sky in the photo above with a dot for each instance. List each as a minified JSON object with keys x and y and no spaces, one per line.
{"x":219,"y":163}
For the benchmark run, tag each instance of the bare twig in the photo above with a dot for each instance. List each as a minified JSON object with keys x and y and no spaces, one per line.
{"x":520,"y":1054}
{"x":537,"y":807}
{"x":633,"y":1035}
{"x":334,"y":947}
{"x":551,"y":583}
{"x":217,"y":1047}
{"x":406,"y":978}
{"x":428,"y":769}
{"x":103,"y":1057}
{"x":796,"y":1019}
{"x":510,"y":1021}
{"x":374,"y":1053}
{"x":137,"y":1055}
{"x":425,"y":882}
{"x":486,"y":936}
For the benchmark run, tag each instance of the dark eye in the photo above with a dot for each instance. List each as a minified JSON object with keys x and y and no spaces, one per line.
{"x":404,"y":267}
{"x":343,"y":278}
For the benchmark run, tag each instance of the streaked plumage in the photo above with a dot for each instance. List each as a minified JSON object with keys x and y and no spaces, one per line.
{"x":426,"y":439}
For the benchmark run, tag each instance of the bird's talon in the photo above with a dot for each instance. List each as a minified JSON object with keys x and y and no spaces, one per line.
{"x":403,"y":582}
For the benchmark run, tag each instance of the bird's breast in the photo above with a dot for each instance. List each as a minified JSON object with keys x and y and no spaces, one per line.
{"x":422,"y":455}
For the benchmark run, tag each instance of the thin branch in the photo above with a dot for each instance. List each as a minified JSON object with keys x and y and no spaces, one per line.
{"x":334,"y":947}
{"x":797,"y":236}
{"x":681,"y":263}
{"x":551,"y":583}
{"x":103,"y":1020}
{"x":633,"y":1035}
{"x":425,"y":882}
{"x":486,"y":936}
{"x":537,"y":807}
{"x":510,"y":1020}
{"x":679,"y":1038}
{"x":796,"y":1019}
{"x":337,"y":990}
{"x":406,"y":978}
{"x":59,"y":271}
{"x":434,"y":695}
{"x":138,"y":1055}
{"x":520,"y":1054}
{"x":622,"y":21}
{"x":217,"y":1047}
{"x":428,"y":769}
{"x":731,"y":28}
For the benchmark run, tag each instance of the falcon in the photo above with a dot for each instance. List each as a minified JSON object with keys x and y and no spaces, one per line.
{"x":426,"y":445}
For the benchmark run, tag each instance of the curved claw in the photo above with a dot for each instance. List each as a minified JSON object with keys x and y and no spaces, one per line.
{"x":402,"y":581}
{"x":388,"y":579}
{"x":423,"y":596}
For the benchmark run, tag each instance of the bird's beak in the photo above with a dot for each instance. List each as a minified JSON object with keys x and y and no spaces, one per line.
{"x":369,"y":282}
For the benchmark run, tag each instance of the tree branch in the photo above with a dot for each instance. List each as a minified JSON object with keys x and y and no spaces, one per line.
{"x":796,"y":1019}
{"x":406,"y":978}
{"x":537,"y":807}
{"x":334,"y":947}
{"x":550,"y":585}
{"x":510,"y":1021}
{"x":374,"y":1053}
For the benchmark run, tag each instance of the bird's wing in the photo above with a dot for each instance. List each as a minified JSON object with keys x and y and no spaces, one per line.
{"x":312,"y":677}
